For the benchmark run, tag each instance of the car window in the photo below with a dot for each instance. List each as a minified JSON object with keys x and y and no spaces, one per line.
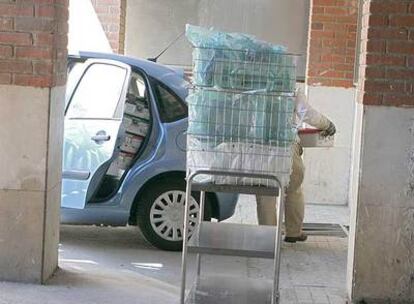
{"x":137,"y":89}
{"x":98,"y":92}
{"x":171,"y":108}
{"x":74,"y":73}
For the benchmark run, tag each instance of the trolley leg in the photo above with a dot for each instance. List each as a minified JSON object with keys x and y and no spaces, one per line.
{"x":185,"y":240}
{"x":278,"y":239}
{"x":200,"y":220}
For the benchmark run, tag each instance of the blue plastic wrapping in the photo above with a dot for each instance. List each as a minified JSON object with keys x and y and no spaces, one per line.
{"x":220,"y":116}
{"x":239,"y":61}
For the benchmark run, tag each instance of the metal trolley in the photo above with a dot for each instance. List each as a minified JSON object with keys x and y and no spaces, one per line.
{"x":239,"y":140}
{"x":235,"y":240}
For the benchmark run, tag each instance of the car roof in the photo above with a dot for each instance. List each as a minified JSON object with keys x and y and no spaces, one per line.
{"x":162,"y":73}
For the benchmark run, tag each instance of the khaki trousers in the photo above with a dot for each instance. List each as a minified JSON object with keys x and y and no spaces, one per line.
{"x":294,"y":202}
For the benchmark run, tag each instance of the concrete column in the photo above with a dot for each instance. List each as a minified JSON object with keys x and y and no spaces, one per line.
{"x":33,"y":40}
{"x":381,"y":251}
{"x":330,"y":76}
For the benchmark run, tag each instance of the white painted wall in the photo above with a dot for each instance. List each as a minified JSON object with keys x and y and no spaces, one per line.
{"x":85,"y":30}
{"x":328,"y":170}
{"x":152,"y":25}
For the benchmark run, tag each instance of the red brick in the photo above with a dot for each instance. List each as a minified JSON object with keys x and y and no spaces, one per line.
{"x":318,"y":10}
{"x":32,"y":24}
{"x":344,"y":67}
{"x":400,"y":47}
{"x":5,"y":78}
{"x":115,"y":10}
{"x":372,"y":99}
{"x":6,"y":24}
{"x":322,"y":66}
{"x":6,"y":51}
{"x":400,"y":73}
{"x":324,"y":18}
{"x":350,"y":59}
{"x":33,"y":52}
{"x":101,"y":9}
{"x":351,"y":28}
{"x":351,"y":44}
{"x":378,"y":59}
{"x":43,"y":67}
{"x":45,"y":11}
{"x":375,"y":72}
{"x":388,"y":33}
{"x":15,"y":38}
{"x":12,"y":10}
{"x":388,"y":7}
{"x":33,"y":80}
{"x":384,"y":86}
{"x":41,"y":39}
{"x":322,"y":34}
{"x":349,"y":75}
{"x":346,"y":19}
{"x":398,"y":20}
{"x":398,"y":100}
{"x":333,"y":58}
{"x":376,"y":46}
{"x":410,"y":61}
{"x":345,"y":83}
{"x":375,"y":20}
{"x":333,"y":74}
{"x":44,"y":2}
{"x":324,"y":2}
{"x":341,"y":11}
{"x":317,"y":26}
{"x":330,"y":26}
{"x":14,"y":66}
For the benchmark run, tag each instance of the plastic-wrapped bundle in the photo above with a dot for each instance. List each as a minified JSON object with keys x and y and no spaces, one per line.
{"x":239,"y":157}
{"x":252,"y":117}
{"x":240,"y":61}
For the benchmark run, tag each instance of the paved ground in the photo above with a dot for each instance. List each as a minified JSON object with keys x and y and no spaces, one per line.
{"x":246,"y":212}
{"x":116,"y":265}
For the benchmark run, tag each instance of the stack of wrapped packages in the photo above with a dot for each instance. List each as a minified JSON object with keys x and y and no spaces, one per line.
{"x":241,"y":110}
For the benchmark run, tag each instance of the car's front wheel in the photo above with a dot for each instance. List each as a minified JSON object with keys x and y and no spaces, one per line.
{"x":160,"y":213}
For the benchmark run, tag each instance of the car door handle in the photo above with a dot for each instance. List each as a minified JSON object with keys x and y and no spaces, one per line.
{"x":101,"y":137}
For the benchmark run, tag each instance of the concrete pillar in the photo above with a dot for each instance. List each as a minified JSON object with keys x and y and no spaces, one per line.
{"x":381,"y":253}
{"x":330,"y":76}
{"x":33,"y":40}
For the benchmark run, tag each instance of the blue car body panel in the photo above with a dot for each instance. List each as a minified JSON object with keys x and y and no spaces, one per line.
{"x":155,"y":160}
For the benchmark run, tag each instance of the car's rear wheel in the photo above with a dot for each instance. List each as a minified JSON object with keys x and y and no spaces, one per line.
{"x":160,"y":212}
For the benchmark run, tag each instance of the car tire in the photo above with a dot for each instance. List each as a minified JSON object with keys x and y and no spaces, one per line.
{"x":159,"y":212}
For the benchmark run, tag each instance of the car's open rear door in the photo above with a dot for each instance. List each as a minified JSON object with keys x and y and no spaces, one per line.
{"x":92,"y":121}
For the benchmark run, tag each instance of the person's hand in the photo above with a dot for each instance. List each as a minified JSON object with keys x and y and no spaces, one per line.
{"x":331,"y":130}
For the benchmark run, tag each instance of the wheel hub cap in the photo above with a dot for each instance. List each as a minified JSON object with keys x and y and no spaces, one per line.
{"x":167,"y":215}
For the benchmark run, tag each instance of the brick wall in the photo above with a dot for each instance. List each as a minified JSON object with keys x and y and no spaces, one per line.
{"x":387,"y":53}
{"x":111,"y":14}
{"x":332,"y":42}
{"x":33,"y":42}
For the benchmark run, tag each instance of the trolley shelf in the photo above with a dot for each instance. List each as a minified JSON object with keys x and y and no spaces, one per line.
{"x":233,"y":239}
{"x":210,"y":187}
{"x":230,"y":290}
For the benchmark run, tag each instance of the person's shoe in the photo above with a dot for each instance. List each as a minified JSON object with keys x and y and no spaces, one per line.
{"x":293,"y":239}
